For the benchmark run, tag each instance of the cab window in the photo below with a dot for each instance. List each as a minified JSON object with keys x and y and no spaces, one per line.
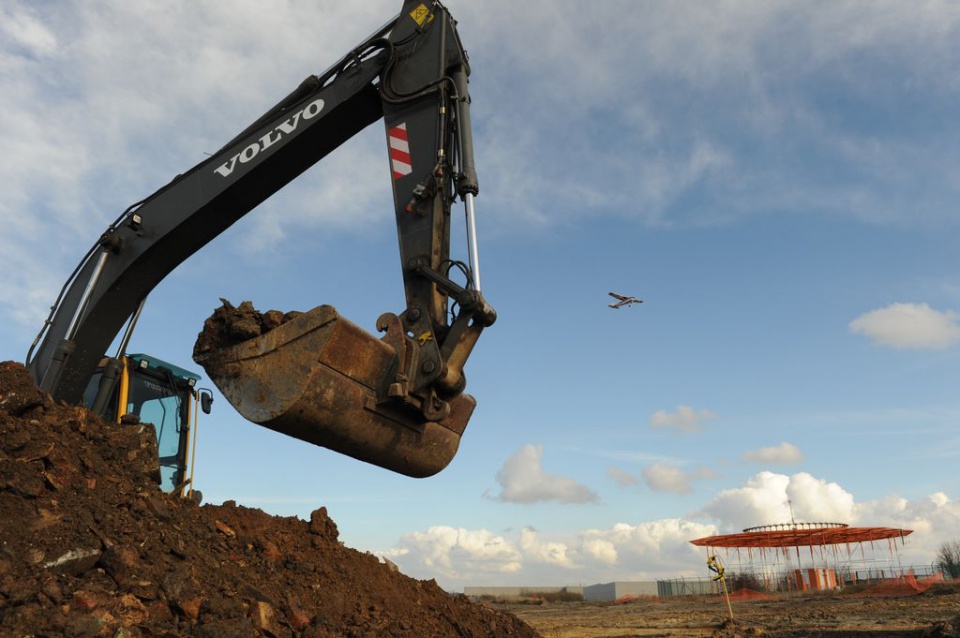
{"x":158,"y":404}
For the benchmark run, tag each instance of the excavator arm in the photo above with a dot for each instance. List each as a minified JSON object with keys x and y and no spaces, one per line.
{"x":381,"y":398}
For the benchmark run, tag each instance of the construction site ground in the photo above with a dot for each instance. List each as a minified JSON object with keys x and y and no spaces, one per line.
{"x":932,"y":614}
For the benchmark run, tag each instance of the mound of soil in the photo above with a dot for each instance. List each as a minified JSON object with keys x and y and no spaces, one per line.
{"x":90,"y":546}
{"x":229,"y":325}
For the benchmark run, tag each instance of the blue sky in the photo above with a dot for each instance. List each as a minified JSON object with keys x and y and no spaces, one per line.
{"x":778,"y":182}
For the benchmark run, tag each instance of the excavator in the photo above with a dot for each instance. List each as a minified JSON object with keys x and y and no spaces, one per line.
{"x":397,"y":401}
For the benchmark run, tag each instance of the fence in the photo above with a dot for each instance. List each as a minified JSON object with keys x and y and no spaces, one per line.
{"x":787,"y":581}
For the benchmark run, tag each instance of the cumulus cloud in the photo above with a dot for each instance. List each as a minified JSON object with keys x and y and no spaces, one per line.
{"x":820,"y":500}
{"x":769,"y":498}
{"x":934,"y":519}
{"x":623,"y":479}
{"x":684,"y":419}
{"x":454,"y":552}
{"x":623,"y":551}
{"x":649,"y":550}
{"x":661,"y":477}
{"x":783,"y":454}
{"x":665,"y":477}
{"x":522,"y":479}
{"x":600,"y":549}
{"x":909,"y":326}
{"x":547,"y":552}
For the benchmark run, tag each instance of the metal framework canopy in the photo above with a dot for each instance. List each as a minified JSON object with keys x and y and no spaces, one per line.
{"x":833,"y":554}
{"x":801,"y":535}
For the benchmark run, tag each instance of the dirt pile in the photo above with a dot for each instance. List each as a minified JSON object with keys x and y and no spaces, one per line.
{"x":229,"y":325}
{"x":90,"y":546}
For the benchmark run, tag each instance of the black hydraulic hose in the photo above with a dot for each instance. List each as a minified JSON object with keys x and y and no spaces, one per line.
{"x":310,"y":84}
{"x":73,"y":275}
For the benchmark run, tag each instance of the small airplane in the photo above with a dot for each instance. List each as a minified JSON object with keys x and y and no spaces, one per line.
{"x":623,"y":300}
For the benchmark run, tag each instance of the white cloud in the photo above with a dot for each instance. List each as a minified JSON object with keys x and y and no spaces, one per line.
{"x":761,"y":501}
{"x":641,"y":551}
{"x":746,"y":66}
{"x":546,"y":552}
{"x":623,"y":479}
{"x":933,"y":519}
{"x":522,"y":479}
{"x":648,"y":550}
{"x":454,"y":552}
{"x":934,"y":512}
{"x":28,"y":32}
{"x":783,"y":454}
{"x":600,"y":549}
{"x":662,"y":548}
{"x":814,"y":499}
{"x":684,"y":419}
{"x":768,"y":498}
{"x":666,"y":477}
{"x":661,"y":477}
{"x":909,"y":326}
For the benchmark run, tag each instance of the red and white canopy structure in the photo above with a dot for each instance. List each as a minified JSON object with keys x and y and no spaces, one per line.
{"x":772,"y":552}
{"x":802,"y":535}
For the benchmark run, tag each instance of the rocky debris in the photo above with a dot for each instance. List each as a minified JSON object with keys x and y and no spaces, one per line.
{"x":229,"y":325}
{"x":19,"y":393}
{"x":90,"y":546}
{"x":944,"y":629}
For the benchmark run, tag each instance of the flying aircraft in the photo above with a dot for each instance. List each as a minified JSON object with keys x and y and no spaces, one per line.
{"x":623,"y":300}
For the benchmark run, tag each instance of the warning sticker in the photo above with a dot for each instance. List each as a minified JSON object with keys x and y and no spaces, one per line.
{"x":400,"y":151}
{"x":421,"y":15}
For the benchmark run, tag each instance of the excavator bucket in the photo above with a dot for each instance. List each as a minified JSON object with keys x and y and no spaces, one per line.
{"x":318,"y":377}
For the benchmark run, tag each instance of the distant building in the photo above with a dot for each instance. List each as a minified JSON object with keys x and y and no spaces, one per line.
{"x":600,"y":592}
{"x":619,"y":589}
{"x":520,"y":592}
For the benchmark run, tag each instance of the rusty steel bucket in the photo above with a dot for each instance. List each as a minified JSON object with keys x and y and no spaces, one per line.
{"x":318,"y":378}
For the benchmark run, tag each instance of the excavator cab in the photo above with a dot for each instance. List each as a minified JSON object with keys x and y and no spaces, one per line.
{"x":149,"y":390}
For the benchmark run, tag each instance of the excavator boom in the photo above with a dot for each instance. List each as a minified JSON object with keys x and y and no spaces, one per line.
{"x":319,"y":378}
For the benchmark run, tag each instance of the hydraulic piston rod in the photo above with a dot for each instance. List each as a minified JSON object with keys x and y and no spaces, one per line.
{"x":472,"y":241}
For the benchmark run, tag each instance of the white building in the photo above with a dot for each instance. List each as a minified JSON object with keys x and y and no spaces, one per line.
{"x":619,"y":589}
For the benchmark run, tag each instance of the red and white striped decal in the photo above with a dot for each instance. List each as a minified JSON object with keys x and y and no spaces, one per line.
{"x":399,"y":151}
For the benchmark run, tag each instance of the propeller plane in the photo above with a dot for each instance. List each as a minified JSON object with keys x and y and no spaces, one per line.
{"x":623,"y":300}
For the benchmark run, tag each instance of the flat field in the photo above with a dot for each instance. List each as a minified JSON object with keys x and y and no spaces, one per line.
{"x":933,"y":614}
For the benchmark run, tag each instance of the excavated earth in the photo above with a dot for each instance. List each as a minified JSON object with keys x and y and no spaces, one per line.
{"x":229,"y":325}
{"x":90,"y":546}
